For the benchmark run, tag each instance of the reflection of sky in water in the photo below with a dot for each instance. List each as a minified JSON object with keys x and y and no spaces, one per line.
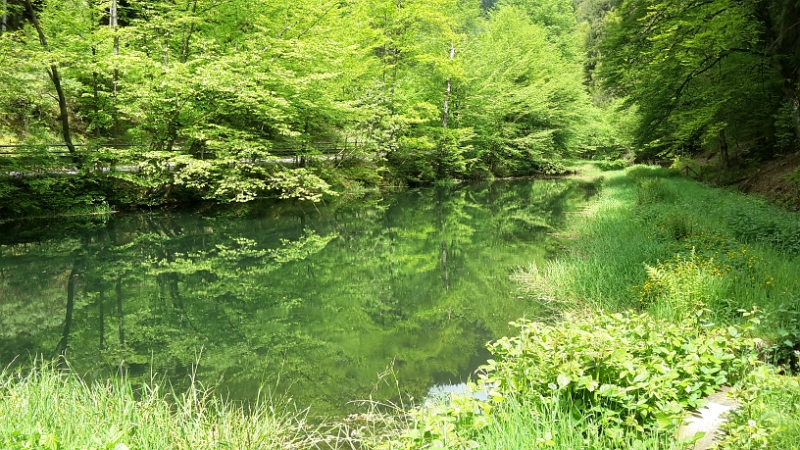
{"x":443,"y":390}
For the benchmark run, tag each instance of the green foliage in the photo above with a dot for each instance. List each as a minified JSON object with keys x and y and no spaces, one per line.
{"x":687,"y":68}
{"x":639,"y":171}
{"x":523,"y":423}
{"x":781,"y":231}
{"x":205,"y":98}
{"x":615,"y":164}
{"x":625,"y":370}
{"x":794,"y":178}
{"x":44,"y":195}
{"x":686,"y":284}
{"x":452,"y":422}
{"x":650,"y":191}
{"x":460,"y":421}
{"x":598,"y":381}
{"x":768,"y":416}
{"x":301,"y":184}
{"x":524,"y":96}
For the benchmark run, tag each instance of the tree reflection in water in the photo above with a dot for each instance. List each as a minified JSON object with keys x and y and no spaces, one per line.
{"x":312,"y":304}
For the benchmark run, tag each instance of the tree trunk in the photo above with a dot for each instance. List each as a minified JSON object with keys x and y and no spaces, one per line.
{"x":446,"y":108}
{"x":112,"y":23}
{"x":62,"y":344}
{"x":5,"y":16}
{"x":56,"y":78}
{"x":445,"y":116}
{"x":185,"y":50}
{"x":723,"y":148}
{"x":395,"y":60}
{"x":120,"y":316}
{"x":444,"y":266}
{"x":96,"y":92}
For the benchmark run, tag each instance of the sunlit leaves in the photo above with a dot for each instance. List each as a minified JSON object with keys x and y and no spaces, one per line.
{"x":693,"y":69}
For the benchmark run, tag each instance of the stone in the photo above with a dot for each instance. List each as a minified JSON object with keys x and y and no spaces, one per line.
{"x":708,"y":419}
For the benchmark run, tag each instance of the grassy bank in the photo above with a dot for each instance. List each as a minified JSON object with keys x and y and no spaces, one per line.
{"x":667,"y":290}
{"x":654,"y":241}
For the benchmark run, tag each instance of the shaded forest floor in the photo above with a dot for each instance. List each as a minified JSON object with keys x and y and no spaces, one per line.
{"x":777,"y":179}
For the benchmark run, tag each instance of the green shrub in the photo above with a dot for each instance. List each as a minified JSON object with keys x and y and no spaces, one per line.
{"x":513,"y":422}
{"x":600,"y":381}
{"x":639,"y":171}
{"x":548,"y":167}
{"x":684,"y":285}
{"x":612,"y":164}
{"x":629,"y":372}
{"x":678,"y":226}
{"x":794,"y":178}
{"x":769,"y":417}
{"x":783,"y":337}
{"x":781,"y":231}
{"x":650,"y":191}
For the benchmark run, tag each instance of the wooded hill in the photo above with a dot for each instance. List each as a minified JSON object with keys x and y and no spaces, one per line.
{"x":150,"y":98}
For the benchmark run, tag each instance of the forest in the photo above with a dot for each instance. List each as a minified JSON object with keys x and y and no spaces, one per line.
{"x":111,"y":104}
{"x":399,"y":224}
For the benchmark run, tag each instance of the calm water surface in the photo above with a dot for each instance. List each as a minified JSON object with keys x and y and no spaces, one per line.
{"x":313,"y":303}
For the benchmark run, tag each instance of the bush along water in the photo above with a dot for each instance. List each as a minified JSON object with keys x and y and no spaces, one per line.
{"x":618,"y":380}
{"x":612,"y":164}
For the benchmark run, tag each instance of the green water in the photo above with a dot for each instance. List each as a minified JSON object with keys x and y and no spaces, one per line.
{"x":324,"y":304}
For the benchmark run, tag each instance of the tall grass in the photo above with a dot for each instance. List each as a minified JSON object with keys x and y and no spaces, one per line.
{"x":525,"y":424}
{"x":604,"y":254}
{"x":49,"y":408}
{"x":700,"y":247}
{"x":656,"y":242}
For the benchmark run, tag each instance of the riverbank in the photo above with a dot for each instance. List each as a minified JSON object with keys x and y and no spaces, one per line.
{"x":690,"y":267}
{"x":698,"y":288}
{"x":168,"y":185}
{"x":776,"y":178}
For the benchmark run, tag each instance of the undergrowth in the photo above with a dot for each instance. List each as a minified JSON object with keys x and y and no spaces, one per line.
{"x":657,"y":243}
{"x":612,"y":164}
{"x":597,"y":381}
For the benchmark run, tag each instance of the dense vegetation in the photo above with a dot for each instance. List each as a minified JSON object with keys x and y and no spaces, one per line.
{"x":706,"y":74}
{"x":158,"y":101}
{"x":155,"y":102}
{"x":665,"y":289}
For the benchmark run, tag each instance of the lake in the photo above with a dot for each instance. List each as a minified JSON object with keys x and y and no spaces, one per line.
{"x":323,"y":304}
